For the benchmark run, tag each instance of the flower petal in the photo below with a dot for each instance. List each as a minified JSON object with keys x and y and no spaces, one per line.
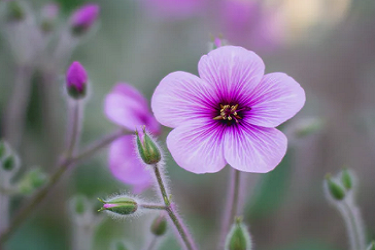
{"x":198,"y":146}
{"x":276,"y":99}
{"x":128,"y":108}
{"x":125,"y":164}
{"x":254,"y":149}
{"x":180,"y":97}
{"x":234,"y":71}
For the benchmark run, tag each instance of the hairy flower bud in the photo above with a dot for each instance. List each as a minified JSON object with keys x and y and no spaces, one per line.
{"x":32,"y":180}
{"x":159,"y":225}
{"x":347,"y":179}
{"x":76,"y":81}
{"x":83,"y":18}
{"x":336,"y":191}
{"x":238,"y":237}
{"x":371,"y":246}
{"x":120,"y":205}
{"x":147,"y":148}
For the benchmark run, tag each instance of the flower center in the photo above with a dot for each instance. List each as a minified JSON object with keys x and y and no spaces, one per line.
{"x":229,"y":113}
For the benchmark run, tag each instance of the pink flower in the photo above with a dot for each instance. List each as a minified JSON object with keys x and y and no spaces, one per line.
{"x":76,"y":80}
{"x":227,"y":115}
{"x":84,"y":17}
{"x":126,"y":107}
{"x":250,"y":23}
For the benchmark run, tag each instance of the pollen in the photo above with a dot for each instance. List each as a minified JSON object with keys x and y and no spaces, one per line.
{"x":229,"y":113}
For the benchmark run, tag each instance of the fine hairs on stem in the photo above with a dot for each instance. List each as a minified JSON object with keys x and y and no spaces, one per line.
{"x":176,"y":220}
{"x":60,"y":170}
{"x":232,"y":206}
{"x":354,"y":224}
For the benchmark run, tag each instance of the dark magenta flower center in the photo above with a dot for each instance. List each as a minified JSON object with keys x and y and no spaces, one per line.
{"x":230,"y":113}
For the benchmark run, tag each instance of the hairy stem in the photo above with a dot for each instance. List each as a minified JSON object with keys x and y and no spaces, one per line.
{"x":235,"y":195}
{"x":178,"y":223}
{"x":354,"y":226}
{"x":74,"y":128}
{"x":15,"y":113}
{"x":61,"y":169}
{"x":232,"y":207}
{"x":155,"y":207}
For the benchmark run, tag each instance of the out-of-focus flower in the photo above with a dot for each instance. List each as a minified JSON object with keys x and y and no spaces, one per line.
{"x":250,"y":23}
{"x":126,"y":107}
{"x":301,"y":18}
{"x":49,"y":16}
{"x":174,"y":8}
{"x":84,"y":17}
{"x":15,"y":11}
{"x":159,"y":225}
{"x":76,"y":81}
{"x":228,"y":114}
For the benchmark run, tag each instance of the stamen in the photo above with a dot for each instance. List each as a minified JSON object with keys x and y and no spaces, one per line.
{"x":230,"y":112}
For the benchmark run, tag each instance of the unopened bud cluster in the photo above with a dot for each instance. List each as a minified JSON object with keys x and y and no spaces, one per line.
{"x":338,"y":188}
{"x":32,"y":180}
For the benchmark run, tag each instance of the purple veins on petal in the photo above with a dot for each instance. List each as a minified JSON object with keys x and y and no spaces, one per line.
{"x":228,"y":114}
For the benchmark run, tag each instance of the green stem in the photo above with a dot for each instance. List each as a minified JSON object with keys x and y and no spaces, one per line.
{"x":155,"y":207}
{"x":353,"y":225}
{"x":75,"y":123}
{"x":181,"y":228}
{"x":61,"y":168}
{"x":235,"y":195}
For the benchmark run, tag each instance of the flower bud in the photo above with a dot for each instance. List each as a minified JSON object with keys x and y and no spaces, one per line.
{"x":83,"y":18}
{"x":120,"y":205}
{"x":147,"y":148}
{"x":9,"y":163}
{"x":76,"y":81}
{"x":49,"y":15}
{"x":15,"y":11}
{"x":347,"y":179}
{"x":159,"y":225}
{"x":335,"y":190}
{"x":32,"y":180}
{"x":371,"y":246}
{"x":238,"y":237}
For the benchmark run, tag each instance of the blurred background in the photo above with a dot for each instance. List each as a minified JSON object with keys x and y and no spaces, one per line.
{"x":328,"y":46}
